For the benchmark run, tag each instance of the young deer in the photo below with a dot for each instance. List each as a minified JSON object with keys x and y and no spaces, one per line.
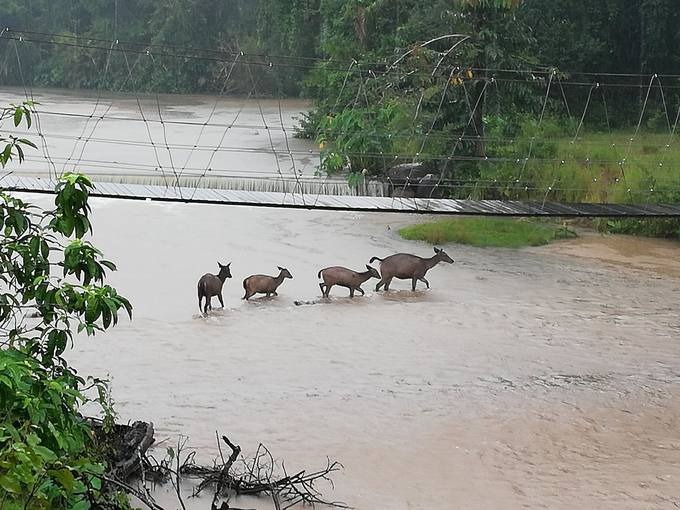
{"x":263,"y":284}
{"x":343,"y":277}
{"x":211,"y":285}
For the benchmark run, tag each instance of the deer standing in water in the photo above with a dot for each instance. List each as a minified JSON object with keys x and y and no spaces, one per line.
{"x":404,"y":266}
{"x":343,"y":277}
{"x":211,"y":285}
{"x":263,"y":284}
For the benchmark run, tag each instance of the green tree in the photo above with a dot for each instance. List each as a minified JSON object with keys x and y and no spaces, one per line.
{"x":51,"y":285}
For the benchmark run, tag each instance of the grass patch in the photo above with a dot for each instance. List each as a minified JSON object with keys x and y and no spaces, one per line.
{"x":484,"y":232}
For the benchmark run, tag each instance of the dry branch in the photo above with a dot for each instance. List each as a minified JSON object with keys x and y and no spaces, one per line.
{"x":258,"y":478}
{"x":233,"y":476}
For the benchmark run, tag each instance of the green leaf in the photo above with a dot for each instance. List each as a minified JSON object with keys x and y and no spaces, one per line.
{"x":6,"y":381}
{"x":10,"y":484}
{"x":35,"y":246}
{"x":18,"y":114}
{"x":25,"y":141}
{"x":106,"y":318}
{"x":109,"y":264}
{"x":57,"y":435}
{"x":65,"y":478}
{"x":47,"y":454}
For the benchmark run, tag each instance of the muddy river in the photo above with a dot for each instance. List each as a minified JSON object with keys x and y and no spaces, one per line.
{"x":521,"y":379}
{"x":541,"y":378}
{"x":165,"y":137}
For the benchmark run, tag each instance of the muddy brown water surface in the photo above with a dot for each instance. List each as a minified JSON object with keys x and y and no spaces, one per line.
{"x":164,"y":136}
{"x":521,"y":379}
{"x":538,"y":378}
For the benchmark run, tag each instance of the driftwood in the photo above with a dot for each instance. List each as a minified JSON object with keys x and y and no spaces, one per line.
{"x":123,"y":445}
{"x":258,"y":476}
{"x":132,"y":467}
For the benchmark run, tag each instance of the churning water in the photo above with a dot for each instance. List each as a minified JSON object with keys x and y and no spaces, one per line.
{"x":169,"y":140}
{"x":521,"y":379}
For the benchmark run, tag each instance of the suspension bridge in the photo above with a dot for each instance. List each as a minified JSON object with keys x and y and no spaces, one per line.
{"x":167,"y":156}
{"x":350,"y":203}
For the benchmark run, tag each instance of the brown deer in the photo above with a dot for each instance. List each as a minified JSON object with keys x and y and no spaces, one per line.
{"x":211,"y":285}
{"x":263,"y":284}
{"x":343,"y":277}
{"x":404,"y":266}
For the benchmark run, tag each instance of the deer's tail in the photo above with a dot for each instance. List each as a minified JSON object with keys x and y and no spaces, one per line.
{"x":319,"y":273}
{"x":373,"y":259}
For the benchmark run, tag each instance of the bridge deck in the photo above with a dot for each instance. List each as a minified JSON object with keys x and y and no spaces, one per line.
{"x":349,"y":203}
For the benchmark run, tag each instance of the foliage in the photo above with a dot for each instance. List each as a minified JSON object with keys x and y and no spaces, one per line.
{"x":52,"y":283}
{"x":650,"y":227}
{"x":191,"y":44}
{"x":483,"y":232}
{"x":359,"y":136}
{"x":412,"y":98}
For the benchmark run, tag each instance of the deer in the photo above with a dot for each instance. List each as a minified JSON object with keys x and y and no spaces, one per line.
{"x":404,"y":266}
{"x":211,"y":285}
{"x":263,"y":284}
{"x":344,"y":277}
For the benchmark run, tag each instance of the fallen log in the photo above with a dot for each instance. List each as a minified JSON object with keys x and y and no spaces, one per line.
{"x":124,"y":446}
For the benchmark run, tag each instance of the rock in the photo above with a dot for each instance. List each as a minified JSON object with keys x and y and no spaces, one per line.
{"x":407,"y":192}
{"x":405,"y":180}
{"x":427,"y":187}
{"x":407,"y":173}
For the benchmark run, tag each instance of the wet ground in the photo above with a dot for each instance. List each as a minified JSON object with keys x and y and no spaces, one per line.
{"x":522,"y":379}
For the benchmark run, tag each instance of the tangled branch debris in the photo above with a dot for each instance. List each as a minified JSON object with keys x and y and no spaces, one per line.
{"x":258,"y":476}
{"x":236,"y":475}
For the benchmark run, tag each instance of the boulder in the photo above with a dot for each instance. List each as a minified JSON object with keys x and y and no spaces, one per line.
{"x":407,"y":173}
{"x":407,"y":192}
{"x":427,"y":187}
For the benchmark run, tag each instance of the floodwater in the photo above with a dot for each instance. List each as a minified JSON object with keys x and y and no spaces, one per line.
{"x":165,"y":136}
{"x":522,"y":379}
{"x":539,"y":378}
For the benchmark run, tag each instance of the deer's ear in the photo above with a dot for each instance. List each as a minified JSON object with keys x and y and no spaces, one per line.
{"x":280,"y":268}
{"x":229,"y":264}
{"x":436,"y":250}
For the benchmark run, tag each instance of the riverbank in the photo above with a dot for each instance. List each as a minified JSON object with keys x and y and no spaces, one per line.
{"x":660,"y":256}
{"x":486,"y":232}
